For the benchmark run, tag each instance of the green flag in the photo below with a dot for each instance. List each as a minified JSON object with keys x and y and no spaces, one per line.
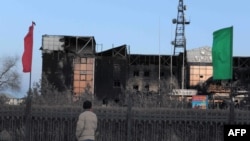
{"x":222,"y":54}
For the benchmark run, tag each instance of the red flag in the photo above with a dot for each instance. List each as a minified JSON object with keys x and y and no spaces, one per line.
{"x":28,"y":48}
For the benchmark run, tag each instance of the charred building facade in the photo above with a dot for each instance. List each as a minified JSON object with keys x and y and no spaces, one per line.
{"x":71,"y":63}
{"x":68,"y":62}
{"x":111,"y":71}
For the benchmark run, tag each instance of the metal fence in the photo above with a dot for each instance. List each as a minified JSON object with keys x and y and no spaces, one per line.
{"x":118,"y":124}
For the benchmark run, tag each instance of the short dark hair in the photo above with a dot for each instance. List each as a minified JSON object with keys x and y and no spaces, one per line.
{"x":87,"y":104}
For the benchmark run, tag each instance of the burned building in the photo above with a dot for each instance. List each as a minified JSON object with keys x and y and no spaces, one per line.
{"x":152,"y":73}
{"x":71,"y":63}
{"x":68,"y":62}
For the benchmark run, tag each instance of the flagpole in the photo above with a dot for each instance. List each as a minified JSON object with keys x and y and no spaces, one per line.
{"x":159,"y":57}
{"x":28,"y":68}
{"x":27,"y":113}
{"x":30,"y":81}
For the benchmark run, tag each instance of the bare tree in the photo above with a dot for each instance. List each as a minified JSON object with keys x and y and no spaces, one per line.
{"x":9,"y":76}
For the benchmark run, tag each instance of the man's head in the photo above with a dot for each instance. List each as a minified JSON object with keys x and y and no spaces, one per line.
{"x":87,"y":105}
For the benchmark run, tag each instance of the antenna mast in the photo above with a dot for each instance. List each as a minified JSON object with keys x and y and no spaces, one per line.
{"x":179,"y":42}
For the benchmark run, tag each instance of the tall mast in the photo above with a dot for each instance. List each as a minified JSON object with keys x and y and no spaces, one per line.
{"x":179,"y":42}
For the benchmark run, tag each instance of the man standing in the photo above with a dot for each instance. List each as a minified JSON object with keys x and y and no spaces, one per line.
{"x":86,"y":124}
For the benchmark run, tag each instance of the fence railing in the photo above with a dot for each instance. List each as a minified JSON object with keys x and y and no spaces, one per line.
{"x":119,"y":124}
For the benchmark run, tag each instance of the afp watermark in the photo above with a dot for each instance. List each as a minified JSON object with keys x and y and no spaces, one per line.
{"x":241,"y":132}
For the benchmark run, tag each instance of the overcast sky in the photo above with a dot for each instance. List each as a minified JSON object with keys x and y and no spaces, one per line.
{"x":145,"y":25}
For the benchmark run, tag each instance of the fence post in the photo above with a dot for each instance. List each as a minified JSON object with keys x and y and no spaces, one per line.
{"x":231,"y":108}
{"x":28,"y":116}
{"x":129,"y":114}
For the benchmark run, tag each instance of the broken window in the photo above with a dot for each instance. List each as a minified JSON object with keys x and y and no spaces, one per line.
{"x":136,"y":73}
{"x":117,"y":83}
{"x":147,"y":87}
{"x":247,"y":76}
{"x":77,"y":60}
{"x":146,"y":73}
{"x":135,"y":87}
{"x":83,"y":60}
{"x":117,"y":68}
{"x":162,"y":74}
{"x":82,"y":77}
{"x":83,"y":72}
